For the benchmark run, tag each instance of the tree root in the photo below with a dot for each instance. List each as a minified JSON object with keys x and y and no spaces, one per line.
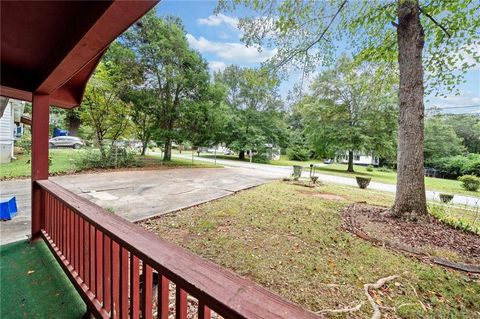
{"x":376,"y":309}
{"x":343,"y":310}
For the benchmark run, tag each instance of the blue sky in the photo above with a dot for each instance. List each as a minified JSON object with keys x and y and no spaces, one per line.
{"x":217,"y":38}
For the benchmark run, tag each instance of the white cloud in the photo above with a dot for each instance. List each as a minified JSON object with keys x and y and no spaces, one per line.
{"x":216,"y":20}
{"x":228,"y":51}
{"x":216,"y":66}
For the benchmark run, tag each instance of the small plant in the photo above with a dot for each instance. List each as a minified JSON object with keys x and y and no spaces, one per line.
{"x":369,"y":168}
{"x":363,"y":182}
{"x":446,"y":198}
{"x":470,"y":183}
{"x":314,"y":179}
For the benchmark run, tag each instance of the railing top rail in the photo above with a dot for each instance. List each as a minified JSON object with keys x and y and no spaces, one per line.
{"x":225,"y":292}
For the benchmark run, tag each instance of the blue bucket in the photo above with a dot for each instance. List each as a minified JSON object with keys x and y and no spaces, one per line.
{"x":8,"y":208}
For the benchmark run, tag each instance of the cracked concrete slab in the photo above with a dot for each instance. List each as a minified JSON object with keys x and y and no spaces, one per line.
{"x":136,"y":195}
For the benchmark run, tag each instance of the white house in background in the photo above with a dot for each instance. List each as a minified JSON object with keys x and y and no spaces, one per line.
{"x":359,"y":159}
{"x":10,"y":127}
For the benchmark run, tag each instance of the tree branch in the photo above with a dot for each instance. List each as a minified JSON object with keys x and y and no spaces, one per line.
{"x":322,"y":35}
{"x":435,"y":22}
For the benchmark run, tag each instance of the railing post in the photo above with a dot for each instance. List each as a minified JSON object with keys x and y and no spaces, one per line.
{"x":39,"y":161}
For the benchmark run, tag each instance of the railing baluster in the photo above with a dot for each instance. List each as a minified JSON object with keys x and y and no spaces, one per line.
{"x":107,"y":293}
{"x":163,"y":297}
{"x":64,"y":228}
{"x":81,"y":242}
{"x":147,"y":291}
{"x":134,"y":287}
{"x":86,"y":258}
{"x":91,"y":284}
{"x":180,"y":303}
{"x":99,"y":265}
{"x":115,"y":277}
{"x":203,"y":311}
{"x":123,"y":283}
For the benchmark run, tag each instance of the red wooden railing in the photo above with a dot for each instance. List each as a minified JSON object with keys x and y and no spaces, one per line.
{"x":124,"y":271}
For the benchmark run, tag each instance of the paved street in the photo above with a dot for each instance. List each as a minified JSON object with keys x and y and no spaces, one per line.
{"x":284,"y":171}
{"x":135,"y":195}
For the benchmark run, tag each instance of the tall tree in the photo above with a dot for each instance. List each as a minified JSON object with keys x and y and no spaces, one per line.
{"x":467,"y":127}
{"x":256,"y":118}
{"x":356,"y":112}
{"x":177,"y":74}
{"x":441,"y":140}
{"x":102,"y":108}
{"x":390,"y":30}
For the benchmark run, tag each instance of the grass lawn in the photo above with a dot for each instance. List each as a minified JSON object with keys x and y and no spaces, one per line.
{"x":291,"y":242}
{"x":63,"y":162}
{"x":433,"y":184}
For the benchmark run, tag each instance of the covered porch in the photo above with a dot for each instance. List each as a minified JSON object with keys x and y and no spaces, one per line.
{"x":49,"y":50}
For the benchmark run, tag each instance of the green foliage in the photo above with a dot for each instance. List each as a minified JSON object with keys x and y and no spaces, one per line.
{"x":442,"y":213}
{"x":341,"y":115}
{"x":363,"y":182}
{"x":102,"y":109}
{"x":470,"y":182}
{"x":254,"y":114}
{"x":467,"y":128}
{"x":369,"y":168}
{"x":25,"y":143}
{"x":459,"y":165}
{"x":440,"y":140}
{"x":110,"y":157}
{"x":297,"y":153}
{"x":173,"y":77}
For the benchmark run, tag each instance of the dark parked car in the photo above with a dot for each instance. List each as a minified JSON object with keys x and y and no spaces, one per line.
{"x":66,"y":141}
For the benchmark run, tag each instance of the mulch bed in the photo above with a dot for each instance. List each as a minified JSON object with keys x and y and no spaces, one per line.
{"x":371,"y":223}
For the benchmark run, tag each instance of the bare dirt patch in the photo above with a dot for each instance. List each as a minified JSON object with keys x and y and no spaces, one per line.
{"x":326,"y":196}
{"x":421,"y":236}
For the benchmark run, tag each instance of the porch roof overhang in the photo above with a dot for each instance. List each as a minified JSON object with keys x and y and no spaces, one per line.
{"x":53,"y":47}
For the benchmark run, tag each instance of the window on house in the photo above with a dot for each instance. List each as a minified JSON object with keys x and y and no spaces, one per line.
{"x":357,"y":157}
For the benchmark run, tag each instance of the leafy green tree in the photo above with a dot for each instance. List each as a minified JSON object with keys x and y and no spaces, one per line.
{"x":103,"y":110}
{"x":169,"y":68}
{"x":467,"y":127}
{"x":144,"y":114}
{"x":343,"y":114}
{"x":420,"y":35}
{"x":256,"y":118}
{"x":441,"y":140}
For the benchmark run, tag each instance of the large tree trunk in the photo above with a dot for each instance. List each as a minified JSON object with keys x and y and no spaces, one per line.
{"x":167,"y":154}
{"x":241,"y":155}
{"x":410,"y":201}
{"x":350,"y":161}
{"x":144,"y":147}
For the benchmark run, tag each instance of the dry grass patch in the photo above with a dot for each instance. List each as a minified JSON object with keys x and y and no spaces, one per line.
{"x":291,"y":242}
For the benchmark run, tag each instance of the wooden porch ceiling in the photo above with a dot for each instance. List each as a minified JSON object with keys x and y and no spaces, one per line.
{"x":52,"y":47}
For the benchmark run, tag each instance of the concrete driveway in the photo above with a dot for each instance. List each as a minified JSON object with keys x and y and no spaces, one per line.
{"x":136,"y":195}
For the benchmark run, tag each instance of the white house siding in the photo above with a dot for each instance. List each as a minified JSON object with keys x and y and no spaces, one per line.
{"x":359,"y":159}
{"x":6,"y":134}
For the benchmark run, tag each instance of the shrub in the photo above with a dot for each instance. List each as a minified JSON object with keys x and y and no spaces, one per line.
{"x":446,"y":198}
{"x":363,"y":182}
{"x":455,"y":166}
{"x":25,"y":143}
{"x":470,"y":183}
{"x":297,"y":153}
{"x":112,"y":157}
{"x":369,"y":168}
{"x":384,"y":169}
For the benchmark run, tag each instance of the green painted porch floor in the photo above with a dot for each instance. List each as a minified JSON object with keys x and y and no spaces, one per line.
{"x":33,"y":285}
